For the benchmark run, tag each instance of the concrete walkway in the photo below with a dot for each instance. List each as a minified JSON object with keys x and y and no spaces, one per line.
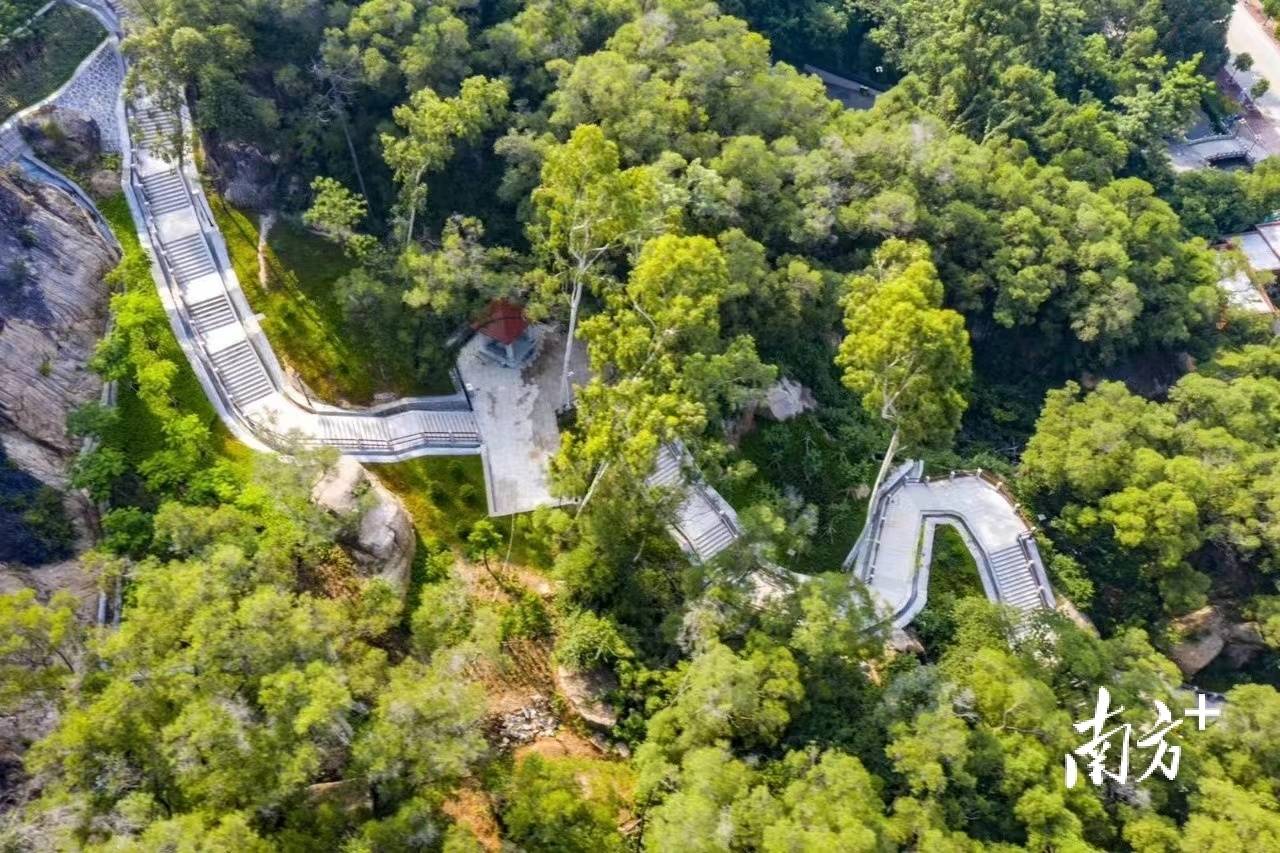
{"x":704,"y":523}
{"x":892,"y":557}
{"x":894,"y":554}
{"x":515,"y":411}
{"x":224,"y":340}
{"x":207,"y":309}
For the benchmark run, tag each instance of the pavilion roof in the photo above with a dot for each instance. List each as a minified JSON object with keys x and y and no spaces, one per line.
{"x":503,"y":321}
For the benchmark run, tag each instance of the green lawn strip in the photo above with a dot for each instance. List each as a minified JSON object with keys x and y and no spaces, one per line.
{"x":445,"y":497}
{"x":302,"y":316}
{"x":33,"y":65}
{"x":137,"y":432}
{"x":444,"y":494}
{"x":303,"y":309}
{"x":953,"y":575}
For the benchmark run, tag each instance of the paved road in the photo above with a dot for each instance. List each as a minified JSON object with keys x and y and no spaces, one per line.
{"x":1247,"y":34}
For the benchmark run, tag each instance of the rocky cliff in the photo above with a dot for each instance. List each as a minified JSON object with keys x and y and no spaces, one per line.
{"x":53,"y":309}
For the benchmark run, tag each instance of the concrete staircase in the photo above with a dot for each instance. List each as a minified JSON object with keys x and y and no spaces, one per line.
{"x":242,"y":373}
{"x":154,"y":127}
{"x":1015,"y":578}
{"x":189,"y":258}
{"x":212,"y":314}
{"x":704,"y":524}
{"x":165,"y":192}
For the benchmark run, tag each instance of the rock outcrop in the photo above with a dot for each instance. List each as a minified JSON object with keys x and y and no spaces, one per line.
{"x":1207,"y":634}
{"x":586,"y":694}
{"x":787,"y":399}
{"x":246,"y":176}
{"x":63,"y":136}
{"x":381,"y":537}
{"x":53,"y":310}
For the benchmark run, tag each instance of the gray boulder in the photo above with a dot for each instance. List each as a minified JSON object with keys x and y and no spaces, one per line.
{"x":247,"y":176}
{"x":585,"y":693}
{"x":63,"y":136}
{"x":1207,"y":633}
{"x":787,"y":399}
{"x":381,"y":537}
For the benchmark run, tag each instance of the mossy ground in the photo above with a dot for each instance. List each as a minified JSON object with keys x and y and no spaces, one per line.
{"x":36,"y":62}
{"x":302,"y":315}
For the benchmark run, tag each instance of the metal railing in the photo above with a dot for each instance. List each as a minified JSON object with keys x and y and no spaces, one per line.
{"x":458,"y":401}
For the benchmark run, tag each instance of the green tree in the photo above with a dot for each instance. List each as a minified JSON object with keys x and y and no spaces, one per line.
{"x":335,"y":211}
{"x":586,"y":640}
{"x":424,"y":731}
{"x":40,"y":646}
{"x":461,"y":276}
{"x":905,"y":355}
{"x":585,"y":210}
{"x":546,"y":809}
{"x":433,"y":126}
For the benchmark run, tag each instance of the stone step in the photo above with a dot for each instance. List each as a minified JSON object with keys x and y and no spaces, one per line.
{"x":242,"y":373}
{"x":666,"y":471}
{"x":189,"y":258}
{"x":212,"y":313}
{"x":713,"y":541}
{"x":165,"y":193}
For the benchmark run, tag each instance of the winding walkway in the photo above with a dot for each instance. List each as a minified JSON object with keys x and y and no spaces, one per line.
{"x":242,"y":377}
{"x":223,"y":338}
{"x":211,"y":318}
{"x":893,"y":554}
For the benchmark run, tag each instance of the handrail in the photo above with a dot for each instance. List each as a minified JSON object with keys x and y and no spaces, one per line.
{"x":201,"y":345}
{"x":458,"y":401}
{"x":995,"y":482}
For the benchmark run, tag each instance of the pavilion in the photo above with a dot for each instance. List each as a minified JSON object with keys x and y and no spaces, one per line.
{"x":508,"y":339}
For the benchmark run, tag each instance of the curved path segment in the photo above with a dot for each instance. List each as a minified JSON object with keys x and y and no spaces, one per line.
{"x":219,"y":332}
{"x":213,"y":322}
{"x":224,"y":340}
{"x":893,"y":554}
{"x":243,"y":379}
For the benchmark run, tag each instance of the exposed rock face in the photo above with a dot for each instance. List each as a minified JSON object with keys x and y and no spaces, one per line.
{"x":585,"y":692}
{"x":247,"y":176}
{"x":524,"y":725}
{"x":383,"y":539}
{"x":1208,"y":634}
{"x":63,"y":135}
{"x":53,"y":310}
{"x":787,"y":399}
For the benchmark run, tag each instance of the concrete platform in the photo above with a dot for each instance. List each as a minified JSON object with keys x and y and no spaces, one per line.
{"x":515,"y":410}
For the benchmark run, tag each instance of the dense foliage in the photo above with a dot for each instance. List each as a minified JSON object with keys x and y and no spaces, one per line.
{"x":703,"y":219}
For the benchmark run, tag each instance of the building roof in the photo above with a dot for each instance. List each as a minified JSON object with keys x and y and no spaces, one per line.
{"x":503,"y":321}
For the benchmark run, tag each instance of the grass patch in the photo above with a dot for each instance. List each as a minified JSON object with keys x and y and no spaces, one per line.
{"x":37,"y":61}
{"x":953,"y":576}
{"x":303,"y":317}
{"x":445,"y":495}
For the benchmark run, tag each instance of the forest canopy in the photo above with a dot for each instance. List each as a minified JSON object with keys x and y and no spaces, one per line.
{"x":980,"y":271}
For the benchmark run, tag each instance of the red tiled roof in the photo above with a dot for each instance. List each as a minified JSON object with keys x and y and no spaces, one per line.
{"x":503,"y":321}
